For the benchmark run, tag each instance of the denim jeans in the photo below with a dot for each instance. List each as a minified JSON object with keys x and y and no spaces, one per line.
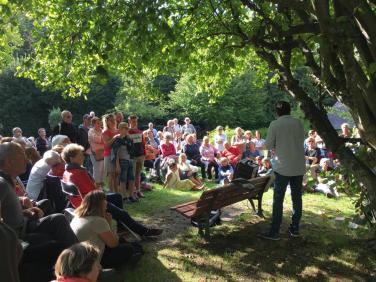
{"x":115,"y":208}
{"x":280,"y":185}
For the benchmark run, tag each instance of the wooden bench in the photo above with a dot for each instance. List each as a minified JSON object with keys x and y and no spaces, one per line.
{"x":215,"y":199}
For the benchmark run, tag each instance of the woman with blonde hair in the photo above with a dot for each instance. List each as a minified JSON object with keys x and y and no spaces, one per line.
{"x":93,"y":224}
{"x":109,"y":134}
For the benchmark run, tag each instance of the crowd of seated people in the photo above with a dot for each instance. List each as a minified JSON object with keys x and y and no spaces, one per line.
{"x":118,"y":152}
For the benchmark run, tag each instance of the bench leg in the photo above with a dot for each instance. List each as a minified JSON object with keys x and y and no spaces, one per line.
{"x":259,"y":206}
{"x":207,"y":228}
{"x":252,"y":204}
{"x":204,"y":227}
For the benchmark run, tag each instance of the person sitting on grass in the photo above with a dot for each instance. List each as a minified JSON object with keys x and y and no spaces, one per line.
{"x":233,"y":153}
{"x":167,"y":147}
{"x":81,"y":262}
{"x":192,"y":150}
{"x":121,"y":155}
{"x":226,"y":172}
{"x":173,"y":179}
{"x":267,"y":168}
{"x":326,"y":180}
{"x":76,"y":174}
{"x":251,"y":152}
{"x":209,"y":157}
{"x":188,"y":171}
{"x":258,"y":161}
{"x":92,"y":223}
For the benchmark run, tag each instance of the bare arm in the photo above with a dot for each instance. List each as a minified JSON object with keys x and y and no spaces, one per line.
{"x":108,"y":141}
{"x":168,"y":178}
{"x":109,"y":238}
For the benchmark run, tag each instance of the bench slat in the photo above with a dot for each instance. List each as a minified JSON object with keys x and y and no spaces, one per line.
{"x":223,"y":196}
{"x":186,"y":208}
{"x":182,"y":205}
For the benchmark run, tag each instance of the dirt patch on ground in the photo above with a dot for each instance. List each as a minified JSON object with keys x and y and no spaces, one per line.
{"x":174,"y":224}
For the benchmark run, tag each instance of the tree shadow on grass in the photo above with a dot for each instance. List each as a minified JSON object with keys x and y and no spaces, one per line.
{"x":325,"y":252}
{"x":149,"y":268}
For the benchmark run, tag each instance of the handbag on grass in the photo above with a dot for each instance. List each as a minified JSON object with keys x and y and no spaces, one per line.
{"x":98,"y":154}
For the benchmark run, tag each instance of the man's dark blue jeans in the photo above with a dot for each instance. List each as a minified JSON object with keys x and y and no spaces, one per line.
{"x":280,"y":185}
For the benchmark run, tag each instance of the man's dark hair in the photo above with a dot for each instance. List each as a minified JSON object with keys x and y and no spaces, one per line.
{"x":282,"y":108}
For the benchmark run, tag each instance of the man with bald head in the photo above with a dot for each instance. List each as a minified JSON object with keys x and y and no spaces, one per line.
{"x":66,"y":127}
{"x":48,"y":235}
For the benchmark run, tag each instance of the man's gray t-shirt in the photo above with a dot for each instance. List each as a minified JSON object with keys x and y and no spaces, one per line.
{"x":11,"y":210}
{"x":286,"y":137}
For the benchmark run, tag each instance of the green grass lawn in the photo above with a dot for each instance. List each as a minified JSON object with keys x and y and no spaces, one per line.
{"x":327,"y":251}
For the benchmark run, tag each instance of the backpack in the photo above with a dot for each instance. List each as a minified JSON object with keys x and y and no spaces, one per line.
{"x":245,"y":169}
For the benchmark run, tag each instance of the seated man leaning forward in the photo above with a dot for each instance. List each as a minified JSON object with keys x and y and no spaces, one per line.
{"x":75,"y":173}
{"x":43,"y":233}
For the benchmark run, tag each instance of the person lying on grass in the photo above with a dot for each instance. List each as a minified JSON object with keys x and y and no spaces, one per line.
{"x":173,"y":179}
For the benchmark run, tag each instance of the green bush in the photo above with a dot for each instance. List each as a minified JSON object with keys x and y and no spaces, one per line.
{"x":54,"y":117}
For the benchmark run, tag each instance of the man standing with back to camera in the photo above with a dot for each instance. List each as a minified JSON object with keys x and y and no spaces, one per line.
{"x":286,"y":138}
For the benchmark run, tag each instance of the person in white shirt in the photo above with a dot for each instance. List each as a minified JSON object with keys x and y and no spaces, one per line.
{"x":39,"y":172}
{"x":260,"y":143}
{"x":286,"y":138}
{"x":220,"y":139}
{"x":177,"y":126}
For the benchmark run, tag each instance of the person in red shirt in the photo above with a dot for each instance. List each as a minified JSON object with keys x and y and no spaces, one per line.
{"x":75,"y":173}
{"x":168,"y":148}
{"x":233,"y":153}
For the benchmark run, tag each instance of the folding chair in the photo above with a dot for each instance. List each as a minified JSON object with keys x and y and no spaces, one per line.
{"x":70,"y":190}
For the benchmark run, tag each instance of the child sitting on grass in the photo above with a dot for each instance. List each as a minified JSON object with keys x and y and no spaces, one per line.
{"x":226,"y":172}
{"x":267,"y":168}
{"x":173,"y":179}
{"x":122,"y":153}
{"x":188,"y":171}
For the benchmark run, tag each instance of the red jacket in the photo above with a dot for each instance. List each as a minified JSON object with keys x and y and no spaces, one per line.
{"x":150,"y":152}
{"x":233,"y":154}
{"x":79,"y":176}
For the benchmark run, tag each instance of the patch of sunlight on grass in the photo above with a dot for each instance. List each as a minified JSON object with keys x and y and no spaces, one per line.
{"x":327,"y":251}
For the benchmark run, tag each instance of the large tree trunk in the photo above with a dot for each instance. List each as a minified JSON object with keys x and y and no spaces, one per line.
{"x":318,"y":118}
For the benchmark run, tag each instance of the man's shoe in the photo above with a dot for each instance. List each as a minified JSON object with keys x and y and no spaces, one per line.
{"x":152,"y":232}
{"x":293,"y":233}
{"x":269,"y":236}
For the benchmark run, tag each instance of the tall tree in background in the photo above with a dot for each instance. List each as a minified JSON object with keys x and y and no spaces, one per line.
{"x":78,"y":41}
